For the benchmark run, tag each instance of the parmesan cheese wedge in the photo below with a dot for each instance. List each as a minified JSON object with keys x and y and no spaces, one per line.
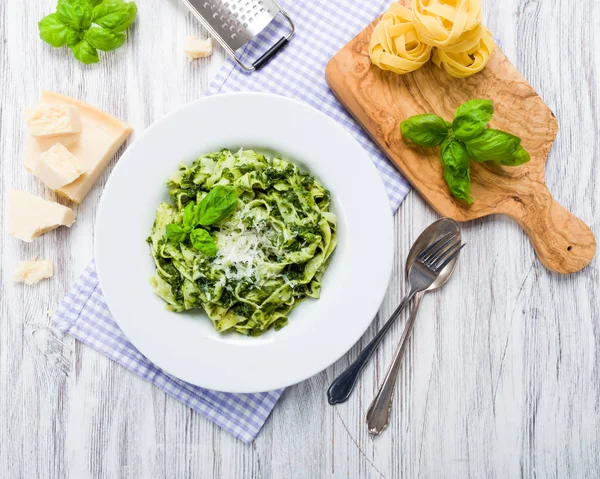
{"x":30,"y":216}
{"x":101,"y":136}
{"x":57,"y":167}
{"x":31,"y":272}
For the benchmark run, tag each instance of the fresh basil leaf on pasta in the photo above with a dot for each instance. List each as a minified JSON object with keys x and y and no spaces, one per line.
{"x":203,"y":242}
{"x":216,"y":206}
{"x":189,"y":220}
{"x":175,"y":233}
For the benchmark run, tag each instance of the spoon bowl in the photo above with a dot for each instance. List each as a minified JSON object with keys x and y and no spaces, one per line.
{"x":429,"y":236}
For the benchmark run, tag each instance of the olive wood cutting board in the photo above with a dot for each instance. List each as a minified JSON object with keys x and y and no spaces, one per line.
{"x":380,"y":100}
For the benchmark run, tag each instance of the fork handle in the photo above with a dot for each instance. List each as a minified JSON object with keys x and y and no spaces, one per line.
{"x":378,"y":415}
{"x":343,"y":385}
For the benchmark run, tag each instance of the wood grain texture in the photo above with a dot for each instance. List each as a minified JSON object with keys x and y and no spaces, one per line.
{"x":502,"y":374}
{"x":380,"y":100}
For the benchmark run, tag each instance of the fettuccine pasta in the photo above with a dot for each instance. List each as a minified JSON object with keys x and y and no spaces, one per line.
{"x":463,"y":65}
{"x":394,"y":43}
{"x":446,"y":23}
{"x":403,"y":41}
{"x":272,"y":251}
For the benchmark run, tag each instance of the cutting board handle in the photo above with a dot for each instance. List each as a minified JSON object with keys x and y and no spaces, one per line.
{"x":562,"y":241}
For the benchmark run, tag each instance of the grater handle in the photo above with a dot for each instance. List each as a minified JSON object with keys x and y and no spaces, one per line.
{"x":264,"y":58}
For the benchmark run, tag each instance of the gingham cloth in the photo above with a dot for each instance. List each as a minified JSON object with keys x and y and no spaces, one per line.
{"x":323,"y":28}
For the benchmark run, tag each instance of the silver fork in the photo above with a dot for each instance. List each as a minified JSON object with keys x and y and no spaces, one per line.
{"x":423,"y":272}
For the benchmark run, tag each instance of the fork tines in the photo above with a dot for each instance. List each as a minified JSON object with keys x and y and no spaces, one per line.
{"x":439,"y":254}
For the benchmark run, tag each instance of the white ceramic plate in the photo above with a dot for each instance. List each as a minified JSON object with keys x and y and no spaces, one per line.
{"x":319,"y":331}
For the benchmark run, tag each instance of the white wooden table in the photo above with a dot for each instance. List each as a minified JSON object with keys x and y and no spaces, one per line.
{"x":501,"y":378}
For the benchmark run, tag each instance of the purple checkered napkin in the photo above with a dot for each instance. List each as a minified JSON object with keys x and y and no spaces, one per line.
{"x":323,"y":28}
{"x":84,"y":314}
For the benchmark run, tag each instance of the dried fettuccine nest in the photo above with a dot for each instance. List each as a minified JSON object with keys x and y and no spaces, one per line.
{"x":404,"y":40}
{"x":466,"y":64}
{"x":394,"y":43}
{"x":447,"y":23}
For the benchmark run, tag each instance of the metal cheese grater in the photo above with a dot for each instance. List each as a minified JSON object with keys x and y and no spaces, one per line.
{"x":235,"y":22}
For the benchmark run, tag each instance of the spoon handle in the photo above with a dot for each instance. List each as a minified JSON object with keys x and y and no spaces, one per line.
{"x":378,"y":415}
{"x":343,"y":385}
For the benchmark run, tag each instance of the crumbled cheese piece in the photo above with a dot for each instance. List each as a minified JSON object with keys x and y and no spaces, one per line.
{"x":198,"y":48}
{"x":30,"y":272}
{"x":30,"y":216}
{"x":53,"y":120}
{"x":57,"y":167}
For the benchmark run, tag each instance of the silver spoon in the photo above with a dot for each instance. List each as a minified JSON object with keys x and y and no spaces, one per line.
{"x":341,"y":388}
{"x":378,"y":415}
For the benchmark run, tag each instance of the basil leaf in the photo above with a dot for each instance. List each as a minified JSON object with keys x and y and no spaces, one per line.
{"x":85,"y":53}
{"x":470,"y":126}
{"x":203,"y":242}
{"x":103,"y":39}
{"x":482,"y":107}
{"x":459,"y":183}
{"x":76,"y":14}
{"x":471,"y":118}
{"x":53,"y":31}
{"x":115,"y":16}
{"x":493,"y":145}
{"x":518,"y":157}
{"x":216,"y":206}
{"x":175,"y":233}
{"x":188,"y":216}
{"x":425,"y":130}
{"x":456,"y":163}
{"x":454,"y":155}
{"x":74,"y":37}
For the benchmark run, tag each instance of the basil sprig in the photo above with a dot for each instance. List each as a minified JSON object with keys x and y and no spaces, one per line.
{"x":466,"y":138}
{"x":218,"y":205}
{"x":86,"y":26}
